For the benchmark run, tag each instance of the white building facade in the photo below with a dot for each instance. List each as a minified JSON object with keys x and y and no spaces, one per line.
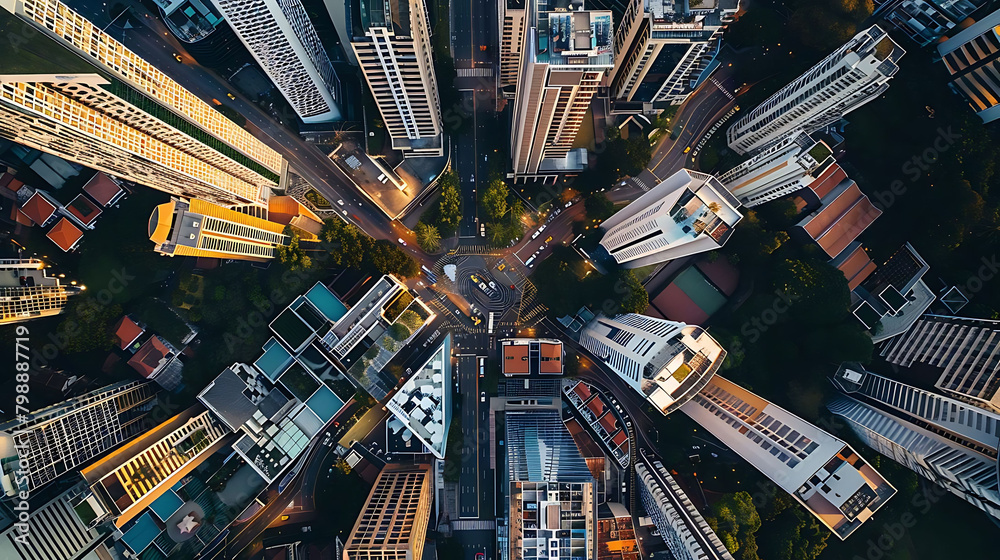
{"x":851,"y":76}
{"x":688,"y":213}
{"x":781,"y":169}
{"x":666,"y":361}
{"x":281,"y":38}
{"x":392,"y":44}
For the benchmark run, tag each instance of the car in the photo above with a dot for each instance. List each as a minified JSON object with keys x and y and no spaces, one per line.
{"x":568,"y":204}
{"x":230,"y":96}
{"x":535,"y":235}
{"x":502,"y":266}
{"x":542,"y":228}
{"x":284,"y":518}
{"x":480,"y":556}
{"x":492,"y":284}
{"x":380,"y":177}
{"x":482,"y":397}
{"x":474,"y":277}
{"x":340,"y":202}
{"x":688,"y":149}
{"x":401,"y":242}
{"x":548,"y":239}
{"x":178,"y":57}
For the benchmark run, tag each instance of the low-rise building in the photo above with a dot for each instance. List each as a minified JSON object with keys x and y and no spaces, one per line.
{"x":844,"y":213}
{"x":422,"y":406}
{"x":894,"y":295}
{"x":532,"y":356}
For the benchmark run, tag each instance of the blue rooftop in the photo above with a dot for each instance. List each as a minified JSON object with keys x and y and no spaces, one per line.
{"x":166,"y":505}
{"x":141,"y":534}
{"x":325,"y":404}
{"x":327,"y":303}
{"x":274,"y":360}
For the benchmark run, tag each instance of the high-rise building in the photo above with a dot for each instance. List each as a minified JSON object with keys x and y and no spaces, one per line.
{"x":972,"y":59}
{"x":552,"y":507}
{"x":280,"y":36}
{"x":73,"y":91}
{"x":126,"y":482}
{"x":794,"y":163}
{"x":664,"y":49}
{"x":688,"y":213}
{"x":926,"y":21}
{"x":949,"y":442}
{"x":564,"y":56}
{"x":26,"y":292}
{"x":53,"y":441}
{"x":391,"y":41}
{"x":683,"y":529}
{"x":511,"y":43}
{"x":54,"y":531}
{"x":393,"y":523}
{"x":423,"y":404}
{"x":851,"y":76}
{"x":824,"y":474}
{"x":962,"y":352}
{"x":202,"y":229}
{"x":667,"y":362}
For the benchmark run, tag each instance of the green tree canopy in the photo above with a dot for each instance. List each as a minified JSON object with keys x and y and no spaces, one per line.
{"x":428,"y":237}
{"x":736,"y":521}
{"x":387,"y":258}
{"x":345,"y":242}
{"x":495,"y":200}
{"x":292,"y":255}
{"x":450,"y":204}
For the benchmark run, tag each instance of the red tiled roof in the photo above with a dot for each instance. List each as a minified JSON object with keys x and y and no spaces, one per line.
{"x":841,"y":219}
{"x":19,"y":217}
{"x":5,"y":179}
{"x":102,"y":189}
{"x":856,"y":267}
{"x":127,"y":332}
{"x":582,"y":390}
{"x":65,"y":235}
{"x":38,"y":208}
{"x":828,"y":180}
{"x":620,"y":438}
{"x":596,"y":406}
{"x":147,"y":359}
{"x":608,"y":421}
{"x":15,"y":184}
{"x":551,"y":357}
{"x":515,"y":359}
{"x":83,"y":209}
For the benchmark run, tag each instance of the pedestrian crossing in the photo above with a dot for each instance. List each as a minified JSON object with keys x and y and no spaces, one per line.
{"x":641,"y":184}
{"x":475,"y":72}
{"x":722,"y":89}
{"x":473,"y":525}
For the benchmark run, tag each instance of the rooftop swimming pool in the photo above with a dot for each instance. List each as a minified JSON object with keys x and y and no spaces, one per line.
{"x":325,"y":403}
{"x":327,"y":303}
{"x":275,"y":359}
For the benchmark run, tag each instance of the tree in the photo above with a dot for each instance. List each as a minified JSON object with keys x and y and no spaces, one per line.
{"x":345,"y":242}
{"x":635,"y":298}
{"x":450,"y":204}
{"x":495,"y":200}
{"x":598,"y":206}
{"x":816,"y":289}
{"x":87,"y":325}
{"x":428,"y":237}
{"x":292,"y":255}
{"x":791,"y":533}
{"x":387,"y":258}
{"x":736,"y":521}
{"x":751,"y":244}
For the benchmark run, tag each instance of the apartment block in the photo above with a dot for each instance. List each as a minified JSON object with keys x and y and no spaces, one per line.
{"x":949,"y":442}
{"x":27,"y":292}
{"x":851,"y":76}
{"x":393,"y":523}
{"x":392,"y":44}
{"x":55,"y":532}
{"x":926,"y":21}
{"x":824,"y":474}
{"x":681,"y":525}
{"x":665,"y":361}
{"x":972,"y":57}
{"x":963,"y":352}
{"x":794,"y":163}
{"x":280,"y":36}
{"x":62,"y":438}
{"x":565,"y":56}
{"x":688,"y":213}
{"x":75,"y":92}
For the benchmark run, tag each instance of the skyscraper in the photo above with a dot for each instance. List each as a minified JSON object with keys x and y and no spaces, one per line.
{"x":392,"y":43}
{"x":564,"y":57}
{"x":793,"y":163}
{"x":54,"y":531}
{"x":282,"y":39}
{"x":667,"y":362}
{"x":664,"y":48}
{"x":964,"y":353}
{"x":819,"y":470}
{"x":683,"y":529}
{"x":511,"y":43}
{"x":972,"y":61}
{"x":686,"y":214}
{"x":950,"y":443}
{"x":26,"y":292}
{"x":851,"y":76}
{"x":393,"y":523}
{"x":73,"y":91}
{"x":53,"y":441}
{"x":202,"y":229}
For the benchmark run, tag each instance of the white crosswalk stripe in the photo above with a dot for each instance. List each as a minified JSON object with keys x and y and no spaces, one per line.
{"x":473,"y":525}
{"x":475,"y":72}
{"x":722,"y":89}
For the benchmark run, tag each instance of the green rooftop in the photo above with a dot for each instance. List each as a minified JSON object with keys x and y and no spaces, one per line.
{"x":28,"y":50}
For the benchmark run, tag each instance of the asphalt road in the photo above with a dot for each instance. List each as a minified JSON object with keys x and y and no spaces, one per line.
{"x":469,"y":479}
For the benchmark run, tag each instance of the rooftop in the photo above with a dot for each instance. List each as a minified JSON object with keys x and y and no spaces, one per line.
{"x":37,"y":53}
{"x":38,"y":208}
{"x":568,"y":36}
{"x":423,"y":404}
{"x":83,"y":209}
{"x":65,"y":235}
{"x":128,"y":331}
{"x":844,"y":214}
